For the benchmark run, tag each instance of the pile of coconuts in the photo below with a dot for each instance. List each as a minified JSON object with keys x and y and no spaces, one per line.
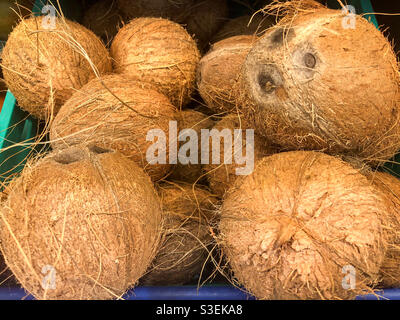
{"x":93,"y":216}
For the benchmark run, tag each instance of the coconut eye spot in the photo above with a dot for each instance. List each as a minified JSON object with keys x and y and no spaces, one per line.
{"x":281,"y":34}
{"x":310,"y":61}
{"x":98,"y":150}
{"x":266,"y":83}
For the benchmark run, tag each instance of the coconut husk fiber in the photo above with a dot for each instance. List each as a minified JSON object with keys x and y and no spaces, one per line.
{"x":222,"y":176}
{"x":104,"y":19}
{"x":187,"y":212}
{"x":43,"y":66}
{"x":219,"y":69}
{"x":290,"y":228}
{"x":204,"y":20}
{"x":390,"y":188}
{"x":175,"y":10}
{"x":311,"y":84}
{"x":116,"y":113}
{"x":89,"y":214}
{"x":160,"y":52}
{"x":244,"y":25}
{"x":190,"y":119}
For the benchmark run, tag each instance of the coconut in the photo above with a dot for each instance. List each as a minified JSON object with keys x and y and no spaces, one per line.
{"x":116,"y":113}
{"x":205,"y":19}
{"x":222,"y":176}
{"x":219,"y":69}
{"x":43,"y":65}
{"x":158,"y":51}
{"x":390,"y":188}
{"x":191,"y":119}
{"x":81,"y":223}
{"x":306,"y":85}
{"x":244,"y":25}
{"x":175,"y":10}
{"x":184,"y":251}
{"x":104,"y":19}
{"x":304,"y":225}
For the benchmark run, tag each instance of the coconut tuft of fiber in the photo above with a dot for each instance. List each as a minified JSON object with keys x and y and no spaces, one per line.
{"x":188,"y":212}
{"x":81,"y":223}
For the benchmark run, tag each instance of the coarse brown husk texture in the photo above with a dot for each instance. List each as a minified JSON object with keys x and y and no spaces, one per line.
{"x":306,"y":84}
{"x":288,"y":229}
{"x":175,"y":10}
{"x":390,"y":188}
{"x":191,"y":119}
{"x":43,"y":67}
{"x":222,"y":176}
{"x":218,"y":71}
{"x":115,"y":113}
{"x":205,"y":18}
{"x":160,"y":52}
{"x":187,"y":213}
{"x":91,"y":214}
{"x":244,"y":25}
{"x":104,"y":19}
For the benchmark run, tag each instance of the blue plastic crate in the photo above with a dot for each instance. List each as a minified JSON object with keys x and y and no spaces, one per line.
{"x":17,"y":126}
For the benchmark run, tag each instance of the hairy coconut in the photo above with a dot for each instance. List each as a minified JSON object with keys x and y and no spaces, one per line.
{"x":191,"y":119}
{"x":221,"y":176}
{"x":390,"y":188}
{"x":244,"y":25}
{"x":301,"y":225}
{"x":219,"y":69}
{"x":82,"y":223}
{"x":160,"y":52}
{"x":184,"y":251}
{"x":306,"y":84}
{"x":43,"y":66}
{"x":104,"y":19}
{"x":116,"y":113}
{"x":205,"y":18}
{"x":175,"y":10}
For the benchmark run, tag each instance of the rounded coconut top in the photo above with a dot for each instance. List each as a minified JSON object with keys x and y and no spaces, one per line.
{"x":219,"y":69}
{"x":187,"y":210}
{"x":87,"y":216}
{"x":160,"y":52}
{"x":116,"y":113}
{"x":302,"y":222}
{"x":43,"y":66}
{"x":308,"y":81}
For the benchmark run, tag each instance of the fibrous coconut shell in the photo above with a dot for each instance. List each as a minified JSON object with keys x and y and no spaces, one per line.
{"x":43,"y":66}
{"x":80,"y":224}
{"x":116,"y":113}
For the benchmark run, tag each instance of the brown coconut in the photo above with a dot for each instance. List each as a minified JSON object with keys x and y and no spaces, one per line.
{"x":116,"y":113}
{"x":306,"y":84}
{"x":190,"y":119}
{"x":219,"y":69}
{"x":390,"y":188}
{"x":222,"y":176}
{"x":244,"y":25}
{"x":187,"y":238}
{"x":104,"y":19}
{"x":205,"y":18}
{"x":160,"y":52}
{"x":43,"y":66}
{"x":175,"y":10}
{"x":89,"y":219}
{"x":297,"y":226}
